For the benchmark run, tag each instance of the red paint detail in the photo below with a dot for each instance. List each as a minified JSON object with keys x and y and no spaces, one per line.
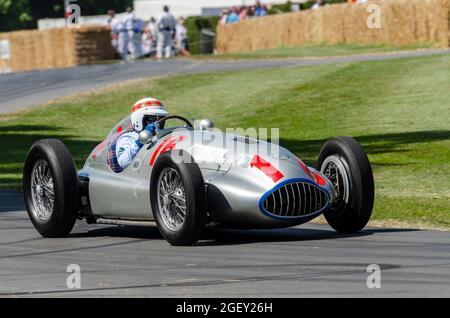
{"x":98,"y":149}
{"x":151,"y":103}
{"x":304,"y":167}
{"x":168,"y":144}
{"x":319,"y":180}
{"x":266,"y":167}
{"x":105,"y":142}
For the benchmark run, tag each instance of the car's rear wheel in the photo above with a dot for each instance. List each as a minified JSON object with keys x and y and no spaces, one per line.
{"x":343,"y":161}
{"x":178,"y":198}
{"x":50,"y":186}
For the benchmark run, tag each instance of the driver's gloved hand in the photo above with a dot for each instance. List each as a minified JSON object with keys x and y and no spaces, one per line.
{"x":151,"y":128}
{"x":138,"y":143}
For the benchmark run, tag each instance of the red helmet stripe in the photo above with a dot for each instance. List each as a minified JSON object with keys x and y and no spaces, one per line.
{"x":150,"y":103}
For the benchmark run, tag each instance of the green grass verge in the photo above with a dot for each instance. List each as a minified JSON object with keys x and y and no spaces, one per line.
{"x":398,"y":109}
{"x":312,"y":51}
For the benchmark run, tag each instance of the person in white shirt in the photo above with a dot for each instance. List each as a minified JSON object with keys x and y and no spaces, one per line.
{"x":115,"y":25}
{"x":124,"y":35}
{"x":152,"y":29}
{"x":166,"y":24}
{"x":138,"y":28}
{"x":182,"y":39}
{"x":131,"y":34}
{"x":317,"y":5}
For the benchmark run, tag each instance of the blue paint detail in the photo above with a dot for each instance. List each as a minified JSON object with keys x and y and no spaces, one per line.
{"x":290,"y":218}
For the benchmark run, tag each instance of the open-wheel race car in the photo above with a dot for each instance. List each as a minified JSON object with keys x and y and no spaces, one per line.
{"x":186,"y":177}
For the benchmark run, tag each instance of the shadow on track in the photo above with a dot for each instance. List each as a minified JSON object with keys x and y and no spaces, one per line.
{"x":219,"y":236}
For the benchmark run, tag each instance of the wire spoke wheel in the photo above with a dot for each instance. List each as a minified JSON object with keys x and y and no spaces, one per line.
{"x":50,"y":187}
{"x":335,"y":168}
{"x":172,"y":199}
{"x":346,"y":165}
{"x":178,"y":198}
{"x":42,"y":191}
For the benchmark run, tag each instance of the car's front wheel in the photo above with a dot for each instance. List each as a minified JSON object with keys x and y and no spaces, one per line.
{"x":50,"y":186}
{"x":178,"y":198}
{"x":343,"y":161}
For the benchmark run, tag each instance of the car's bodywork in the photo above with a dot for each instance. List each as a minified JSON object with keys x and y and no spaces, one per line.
{"x":250,"y":183}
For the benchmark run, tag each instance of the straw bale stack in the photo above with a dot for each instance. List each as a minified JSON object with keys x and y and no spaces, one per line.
{"x":63,"y":47}
{"x":402,"y":22}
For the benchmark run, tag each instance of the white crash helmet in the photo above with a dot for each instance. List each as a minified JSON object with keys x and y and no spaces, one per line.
{"x":144,"y":108}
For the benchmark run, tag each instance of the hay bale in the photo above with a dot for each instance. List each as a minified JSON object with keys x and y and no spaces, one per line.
{"x":296,"y":29}
{"x":333,"y":24}
{"x":92,"y":43}
{"x":402,"y":22}
{"x":63,"y":47}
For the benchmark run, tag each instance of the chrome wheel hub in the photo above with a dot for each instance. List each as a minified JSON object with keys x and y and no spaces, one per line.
{"x":42,"y":191}
{"x":171,"y":199}
{"x":335,"y":168}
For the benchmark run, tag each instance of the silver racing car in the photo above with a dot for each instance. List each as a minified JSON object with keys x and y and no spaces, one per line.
{"x":187,"y":176}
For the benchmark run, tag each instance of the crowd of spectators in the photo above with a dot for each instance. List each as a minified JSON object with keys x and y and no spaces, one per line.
{"x":133,"y":38}
{"x":236,"y":14}
{"x":319,"y":3}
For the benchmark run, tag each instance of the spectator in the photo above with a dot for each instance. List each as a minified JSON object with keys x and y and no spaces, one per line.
{"x":115,"y":26}
{"x":233,"y":16}
{"x":152,"y":31}
{"x":138,"y":29}
{"x":317,"y":4}
{"x":130,"y":36}
{"x":243,"y":13}
{"x":182,"y":39}
{"x":224,"y":17}
{"x":166,"y":24}
{"x":149,"y":37}
{"x":260,"y":10}
{"x":251,"y":12}
{"x":126,"y":31}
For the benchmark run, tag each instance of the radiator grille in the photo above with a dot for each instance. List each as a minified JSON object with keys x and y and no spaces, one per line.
{"x":295,"y":200}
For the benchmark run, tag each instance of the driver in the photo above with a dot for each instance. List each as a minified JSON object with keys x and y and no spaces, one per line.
{"x":144,"y":115}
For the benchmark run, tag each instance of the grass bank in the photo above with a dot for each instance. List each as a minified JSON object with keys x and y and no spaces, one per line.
{"x":398,"y":109}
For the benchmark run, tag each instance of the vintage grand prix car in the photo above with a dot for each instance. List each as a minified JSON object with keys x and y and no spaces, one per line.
{"x":185,"y":177}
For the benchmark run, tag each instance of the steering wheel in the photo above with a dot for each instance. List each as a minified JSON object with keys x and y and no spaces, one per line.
{"x":163,"y":120}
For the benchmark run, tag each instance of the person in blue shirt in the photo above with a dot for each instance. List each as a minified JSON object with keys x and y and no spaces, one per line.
{"x":233,"y":16}
{"x":260,"y":10}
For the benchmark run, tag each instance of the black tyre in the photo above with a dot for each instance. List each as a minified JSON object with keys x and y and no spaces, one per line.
{"x":50,"y":186}
{"x":345,"y":163}
{"x":178,"y":198}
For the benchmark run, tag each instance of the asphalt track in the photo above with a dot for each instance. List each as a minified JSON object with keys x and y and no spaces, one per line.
{"x":22,"y":90}
{"x":310,"y":260}
{"x":306,"y":261}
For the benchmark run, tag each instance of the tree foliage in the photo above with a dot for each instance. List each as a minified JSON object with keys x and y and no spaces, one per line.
{"x":24,"y":14}
{"x":14,"y":14}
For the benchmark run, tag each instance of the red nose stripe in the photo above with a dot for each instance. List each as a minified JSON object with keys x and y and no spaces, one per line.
{"x":319,"y":180}
{"x":304,"y":167}
{"x":166,"y":145}
{"x":267,"y":168}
